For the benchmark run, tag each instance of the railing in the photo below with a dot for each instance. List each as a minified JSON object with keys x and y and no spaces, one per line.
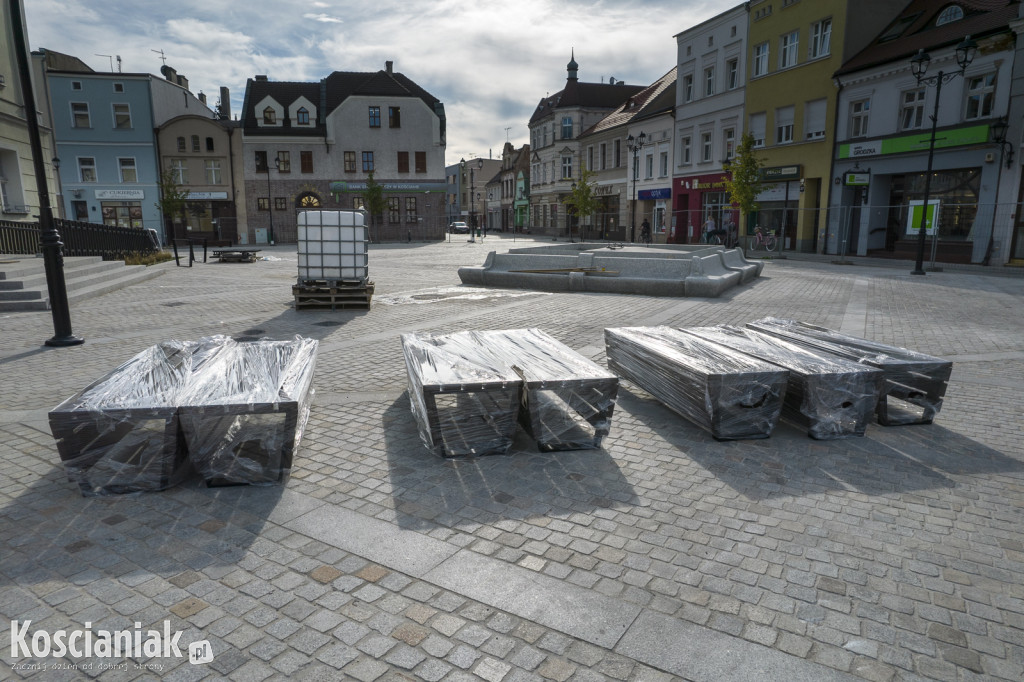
{"x":79,"y":239}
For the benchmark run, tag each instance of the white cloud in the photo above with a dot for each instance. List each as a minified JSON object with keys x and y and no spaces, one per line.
{"x":323,"y":18}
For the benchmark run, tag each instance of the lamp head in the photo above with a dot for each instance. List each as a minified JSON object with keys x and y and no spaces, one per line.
{"x":965,"y":52}
{"x":919,"y":64}
{"x":998,"y":129}
{"x":642,"y":138}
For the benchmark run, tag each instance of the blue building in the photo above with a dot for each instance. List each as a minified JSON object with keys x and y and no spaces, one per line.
{"x":105,"y":129}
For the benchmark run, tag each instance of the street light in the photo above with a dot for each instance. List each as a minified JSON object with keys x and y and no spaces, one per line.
{"x":270,"y":198}
{"x":635,"y":145}
{"x":998,"y":130}
{"x":472,"y":195}
{"x":965,"y":52}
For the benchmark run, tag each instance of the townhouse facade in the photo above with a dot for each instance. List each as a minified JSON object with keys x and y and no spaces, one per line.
{"x":19,"y":196}
{"x":308,"y":145}
{"x":514,"y":188}
{"x":793,"y":49}
{"x":555,"y":126}
{"x":884,"y":129}
{"x":710,"y":121}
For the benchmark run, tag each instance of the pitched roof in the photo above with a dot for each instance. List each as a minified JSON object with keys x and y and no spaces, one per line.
{"x":327,"y":95}
{"x":587,"y":95}
{"x":915,"y":28}
{"x":655,"y":99}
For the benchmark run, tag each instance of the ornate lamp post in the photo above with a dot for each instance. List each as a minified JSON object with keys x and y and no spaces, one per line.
{"x":965,"y":52}
{"x":270,"y":198}
{"x":635,"y":144}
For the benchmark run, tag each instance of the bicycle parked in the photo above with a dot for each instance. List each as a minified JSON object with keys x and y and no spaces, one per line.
{"x":763,"y":239}
{"x":712,"y":236}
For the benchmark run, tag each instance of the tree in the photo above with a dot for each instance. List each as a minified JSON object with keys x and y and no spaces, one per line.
{"x":375,"y":201}
{"x":582,"y":201}
{"x":744,"y":181}
{"x":173,"y":198}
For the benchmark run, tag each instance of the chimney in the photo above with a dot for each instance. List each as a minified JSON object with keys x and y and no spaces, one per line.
{"x":388,"y":66}
{"x":611,"y":80}
{"x":202,"y":97}
{"x":182,"y":81}
{"x":169,"y":73}
{"x":225,"y":104}
{"x":261,"y":77}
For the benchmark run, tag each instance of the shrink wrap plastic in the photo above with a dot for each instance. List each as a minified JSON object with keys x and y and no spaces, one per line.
{"x":832,"y":397}
{"x":468,"y":389}
{"x":916,"y":381}
{"x":126,"y":432}
{"x":729,"y":393}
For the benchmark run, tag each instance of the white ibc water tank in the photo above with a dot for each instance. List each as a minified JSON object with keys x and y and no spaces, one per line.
{"x":332,"y":246}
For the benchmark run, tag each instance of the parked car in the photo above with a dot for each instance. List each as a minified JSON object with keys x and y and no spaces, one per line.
{"x":458,"y":227}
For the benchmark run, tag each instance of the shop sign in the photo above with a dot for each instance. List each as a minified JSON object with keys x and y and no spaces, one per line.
{"x":206,"y":196}
{"x":704,"y":182}
{"x":781,"y":173}
{"x":345,"y":186}
{"x":857,"y":179}
{"x":958,"y":137}
{"x":120,"y":194}
{"x":914,"y":217}
{"x":650,"y":194}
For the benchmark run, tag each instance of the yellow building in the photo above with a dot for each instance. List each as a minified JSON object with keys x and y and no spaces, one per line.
{"x":793,"y":48}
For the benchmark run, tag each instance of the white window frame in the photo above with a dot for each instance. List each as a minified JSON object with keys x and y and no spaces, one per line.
{"x":820,"y":44}
{"x":760,"y":60}
{"x":707,"y":145}
{"x":85,"y":164}
{"x":709,"y":81}
{"x":81,"y":112}
{"x":126,"y":111}
{"x":213,"y":174}
{"x":732,"y":73}
{"x":761,"y":118}
{"x":685,"y":156}
{"x":664,"y":165}
{"x":912,"y":107}
{"x":131,"y":166}
{"x":729,"y":143}
{"x":784,"y":123}
{"x":860,"y":115}
{"x":688,"y":87}
{"x":567,"y":168}
{"x":789,"y":49}
{"x":983,"y":93}
{"x":179,"y":171}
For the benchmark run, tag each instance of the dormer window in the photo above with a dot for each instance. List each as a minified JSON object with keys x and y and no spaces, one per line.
{"x":949,"y":15}
{"x":302,"y":117}
{"x":269,"y":116}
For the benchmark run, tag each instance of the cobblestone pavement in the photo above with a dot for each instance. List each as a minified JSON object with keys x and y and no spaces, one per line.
{"x":662,"y":555}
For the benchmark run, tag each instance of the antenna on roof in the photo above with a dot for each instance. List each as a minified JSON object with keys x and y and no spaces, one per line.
{"x":119,"y":63}
{"x":507,"y":128}
{"x":162,"y":56}
{"x":108,"y":56}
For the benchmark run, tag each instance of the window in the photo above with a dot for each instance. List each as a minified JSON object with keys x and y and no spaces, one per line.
{"x":394,"y":214}
{"x":911,"y":109}
{"x":403,"y":162}
{"x":684,"y":150}
{"x":567,"y":128}
{"x":664,"y":165}
{"x":195,"y":143}
{"x":179,"y":172}
{"x":566,"y":167}
{"x":706,"y":147}
{"x":280,"y":204}
{"x":688,"y":88}
{"x":127,"y":169}
{"x":284,"y":162}
{"x":302,"y":116}
{"x":649,"y":166}
{"x":209,"y":144}
{"x":729,"y":142}
{"x":87,"y":169}
{"x":261,"y":162}
{"x":80,"y":115}
{"x":309,"y":200}
{"x":212,"y":172}
{"x":421,"y":162}
{"x":394,"y":117}
{"x":761,"y":59}
{"x":306,"y":161}
{"x":76,"y":85}
{"x":758,"y":126}
{"x":784,"y":125}
{"x":269,"y":116}
{"x":859,"y":111}
{"x":980,"y":90}
{"x":821,"y":39}
{"x":814,"y":119}
{"x":118,"y":87}
{"x":350,"y":162}
{"x":367,"y":162}
{"x":358,"y":204}
{"x":602,"y":155}
{"x":709,"y":81}
{"x":949,"y":15}
{"x":263,"y":204}
{"x":788,"y":49}
{"x":618,"y":153}
{"x":122,"y":116}
{"x":375,"y":117}
{"x":181,"y":144}
{"x":732,"y":73}
{"x":411,"y":214}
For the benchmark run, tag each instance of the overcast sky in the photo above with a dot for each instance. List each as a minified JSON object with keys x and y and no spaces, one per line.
{"x":489,"y":62}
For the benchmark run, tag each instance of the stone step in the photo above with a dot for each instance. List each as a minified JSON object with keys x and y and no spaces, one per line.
{"x":25,"y":281}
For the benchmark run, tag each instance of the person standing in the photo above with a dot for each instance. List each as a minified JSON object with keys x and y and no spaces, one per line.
{"x":645,"y":232}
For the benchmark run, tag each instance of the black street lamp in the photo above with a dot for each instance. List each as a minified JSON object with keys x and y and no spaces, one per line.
{"x":270,"y":198}
{"x":49,"y":238}
{"x":635,"y":145}
{"x":965,"y":52}
{"x":472,"y":194}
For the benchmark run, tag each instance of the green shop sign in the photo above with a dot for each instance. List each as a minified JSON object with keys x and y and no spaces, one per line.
{"x":957,"y":137}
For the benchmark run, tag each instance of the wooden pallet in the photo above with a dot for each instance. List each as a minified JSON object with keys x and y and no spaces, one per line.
{"x":333,"y":297}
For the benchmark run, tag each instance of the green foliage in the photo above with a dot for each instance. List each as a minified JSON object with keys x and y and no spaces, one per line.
{"x":582,"y":201}
{"x":173,"y":198}
{"x":374,"y":199}
{"x":150,"y":258}
{"x":744,"y":181}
